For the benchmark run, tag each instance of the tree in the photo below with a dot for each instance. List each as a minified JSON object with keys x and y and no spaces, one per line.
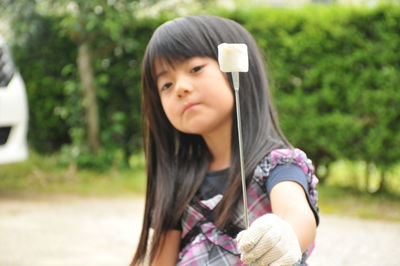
{"x":86,"y":23}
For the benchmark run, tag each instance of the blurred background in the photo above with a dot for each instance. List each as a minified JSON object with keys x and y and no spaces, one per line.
{"x":333,"y":66}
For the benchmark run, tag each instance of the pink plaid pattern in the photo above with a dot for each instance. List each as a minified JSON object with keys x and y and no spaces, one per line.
{"x":213,"y":247}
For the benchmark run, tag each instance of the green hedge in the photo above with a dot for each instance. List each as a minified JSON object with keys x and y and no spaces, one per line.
{"x":41,"y":55}
{"x":334,"y":73}
{"x":46,"y":57}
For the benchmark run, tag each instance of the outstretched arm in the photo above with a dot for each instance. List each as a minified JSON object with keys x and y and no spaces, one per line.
{"x":279,"y":238}
{"x":289,"y":202}
{"x":167,"y":255}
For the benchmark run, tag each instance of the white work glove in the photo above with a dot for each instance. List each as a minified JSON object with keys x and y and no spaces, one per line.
{"x":269,"y":240}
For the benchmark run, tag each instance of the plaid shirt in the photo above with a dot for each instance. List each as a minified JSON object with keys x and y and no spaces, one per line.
{"x":212,"y":247}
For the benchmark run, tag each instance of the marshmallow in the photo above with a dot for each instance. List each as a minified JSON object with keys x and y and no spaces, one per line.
{"x":232,"y":57}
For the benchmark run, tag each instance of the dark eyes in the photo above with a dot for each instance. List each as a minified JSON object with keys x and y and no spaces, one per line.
{"x":170,"y":84}
{"x":166,"y":86}
{"x":196,"y":69}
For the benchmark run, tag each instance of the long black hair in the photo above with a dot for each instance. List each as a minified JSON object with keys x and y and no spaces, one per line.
{"x":177,"y":162}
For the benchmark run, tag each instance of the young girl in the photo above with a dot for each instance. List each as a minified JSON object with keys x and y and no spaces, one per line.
{"x":194,"y":197}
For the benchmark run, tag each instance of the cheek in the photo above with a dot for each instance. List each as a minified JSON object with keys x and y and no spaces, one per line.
{"x":226,"y":94}
{"x":230,"y":102}
{"x":168,"y":110}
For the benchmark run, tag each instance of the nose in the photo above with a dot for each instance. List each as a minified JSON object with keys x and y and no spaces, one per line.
{"x":183,"y":87}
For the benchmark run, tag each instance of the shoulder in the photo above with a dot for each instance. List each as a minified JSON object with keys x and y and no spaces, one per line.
{"x":290,"y":157}
{"x":280,"y":157}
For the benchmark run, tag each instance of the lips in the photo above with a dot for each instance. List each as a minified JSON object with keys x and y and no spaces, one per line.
{"x":188,"y":106}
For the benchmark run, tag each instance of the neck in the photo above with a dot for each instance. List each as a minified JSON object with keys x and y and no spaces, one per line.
{"x":219,"y":144}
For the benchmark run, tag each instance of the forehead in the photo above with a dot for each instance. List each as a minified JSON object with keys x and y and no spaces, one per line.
{"x":161,"y":64}
{"x":164,"y":64}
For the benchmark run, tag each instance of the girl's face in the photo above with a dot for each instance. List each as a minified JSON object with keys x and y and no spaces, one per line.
{"x":195,"y":95}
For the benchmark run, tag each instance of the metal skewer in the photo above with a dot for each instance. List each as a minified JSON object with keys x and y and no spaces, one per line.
{"x":235,"y":78}
{"x":233,"y":57}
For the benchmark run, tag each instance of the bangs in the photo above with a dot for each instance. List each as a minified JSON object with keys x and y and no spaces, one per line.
{"x":178,"y":40}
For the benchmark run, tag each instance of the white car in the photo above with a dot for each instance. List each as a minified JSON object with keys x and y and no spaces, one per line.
{"x":13,"y":110}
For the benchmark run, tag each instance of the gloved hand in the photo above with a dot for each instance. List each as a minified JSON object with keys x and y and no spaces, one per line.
{"x":269,"y":240}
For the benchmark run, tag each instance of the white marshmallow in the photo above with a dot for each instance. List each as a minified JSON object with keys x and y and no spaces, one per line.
{"x":232,"y":57}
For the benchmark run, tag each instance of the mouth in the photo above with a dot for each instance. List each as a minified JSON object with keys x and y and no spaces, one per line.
{"x":189,"y":106}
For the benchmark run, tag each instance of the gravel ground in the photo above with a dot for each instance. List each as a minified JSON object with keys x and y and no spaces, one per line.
{"x":66,"y":230}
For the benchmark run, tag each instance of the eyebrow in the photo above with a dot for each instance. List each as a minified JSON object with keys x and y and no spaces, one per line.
{"x":160,"y":74}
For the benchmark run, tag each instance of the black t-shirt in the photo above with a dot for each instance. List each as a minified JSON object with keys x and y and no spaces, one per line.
{"x":215,"y":183}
